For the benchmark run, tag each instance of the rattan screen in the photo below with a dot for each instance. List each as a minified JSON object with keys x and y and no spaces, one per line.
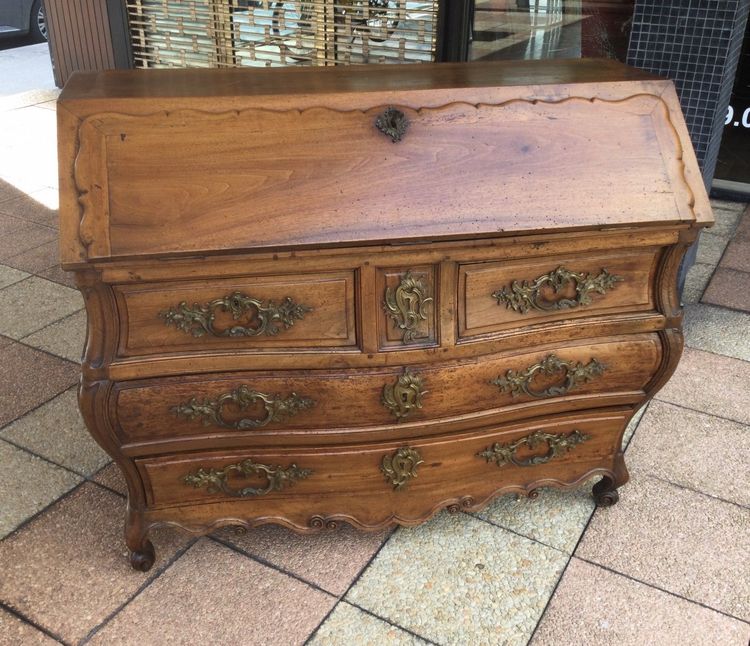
{"x":233,"y":33}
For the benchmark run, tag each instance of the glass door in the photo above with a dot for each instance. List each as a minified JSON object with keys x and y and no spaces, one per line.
{"x":537,"y":29}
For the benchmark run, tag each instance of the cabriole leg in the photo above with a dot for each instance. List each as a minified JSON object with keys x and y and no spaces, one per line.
{"x":605,"y":491}
{"x":141,"y":550}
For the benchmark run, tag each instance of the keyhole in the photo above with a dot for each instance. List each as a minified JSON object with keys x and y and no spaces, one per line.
{"x":404,"y":398}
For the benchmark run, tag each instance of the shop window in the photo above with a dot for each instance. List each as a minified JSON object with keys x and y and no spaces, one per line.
{"x":535,"y":29}
{"x":236,"y":33}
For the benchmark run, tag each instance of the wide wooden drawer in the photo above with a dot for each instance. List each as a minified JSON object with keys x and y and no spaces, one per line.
{"x":420,"y":398}
{"x":395,"y":475}
{"x":498,"y":296}
{"x":269,"y":312}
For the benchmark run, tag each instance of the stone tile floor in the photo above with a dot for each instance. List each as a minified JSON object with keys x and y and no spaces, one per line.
{"x":669,"y":565}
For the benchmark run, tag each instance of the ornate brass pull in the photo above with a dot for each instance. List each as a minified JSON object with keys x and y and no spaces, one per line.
{"x":407,"y":304}
{"x":524,"y":296}
{"x":277,"y":408}
{"x":271,"y":318}
{"x":215,"y":480}
{"x":559,"y":444}
{"x":405,"y":395}
{"x":393,"y":123}
{"x":575,"y":374}
{"x":401,"y":467}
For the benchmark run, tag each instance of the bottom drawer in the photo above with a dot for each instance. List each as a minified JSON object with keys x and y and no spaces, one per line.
{"x":377,"y":483}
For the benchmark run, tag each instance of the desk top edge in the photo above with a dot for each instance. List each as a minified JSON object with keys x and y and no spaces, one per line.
{"x":179,"y":83}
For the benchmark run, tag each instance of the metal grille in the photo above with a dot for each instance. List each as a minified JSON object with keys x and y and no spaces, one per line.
{"x":235,"y":33}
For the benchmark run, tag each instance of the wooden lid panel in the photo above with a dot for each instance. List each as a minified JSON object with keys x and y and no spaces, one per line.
{"x":192,"y":181}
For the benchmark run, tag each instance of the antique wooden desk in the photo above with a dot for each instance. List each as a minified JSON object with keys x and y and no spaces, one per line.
{"x":365,"y":295}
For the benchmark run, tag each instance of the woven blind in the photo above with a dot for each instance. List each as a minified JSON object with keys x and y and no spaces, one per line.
{"x":235,"y":33}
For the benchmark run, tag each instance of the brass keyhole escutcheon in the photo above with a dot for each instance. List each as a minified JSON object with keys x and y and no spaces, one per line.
{"x":401,"y":467}
{"x":407,"y":306}
{"x":393,"y":123}
{"x":405,"y":395}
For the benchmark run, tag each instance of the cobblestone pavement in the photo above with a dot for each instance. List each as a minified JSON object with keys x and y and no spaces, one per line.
{"x":670,"y":564}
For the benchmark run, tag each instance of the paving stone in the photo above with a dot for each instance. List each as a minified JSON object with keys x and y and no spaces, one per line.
{"x":14,"y":632}
{"x":632,"y":426}
{"x":743,"y":228}
{"x":9,"y":224}
{"x":729,"y":205}
{"x":30,"y":378}
{"x":27,"y":485}
{"x":726,"y":220}
{"x":331,"y":560}
{"x":64,"y":338}
{"x":38,"y":259}
{"x":556,"y":518}
{"x":58,"y":275}
{"x":726,"y":396}
{"x":67,"y":570}
{"x":689,"y":449}
{"x":696,"y":282}
{"x":56,"y":431}
{"x":710,"y":248}
{"x":34,"y":303}
{"x":349,"y":626}
{"x":211,"y":594}
{"x":27,"y":235}
{"x":460,"y":580}
{"x":678,"y":540}
{"x":729,"y":288}
{"x":737,"y":255}
{"x":596,"y":607}
{"x":23,"y":99}
{"x":39,"y":206}
{"x":48,"y":105}
{"x":719,"y":330}
{"x":8,"y":191}
{"x":10,"y":275}
{"x":111,"y":476}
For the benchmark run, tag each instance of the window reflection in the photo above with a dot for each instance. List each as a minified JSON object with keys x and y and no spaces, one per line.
{"x":535,"y":29}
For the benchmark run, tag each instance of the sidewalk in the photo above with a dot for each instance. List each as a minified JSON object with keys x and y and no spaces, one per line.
{"x":669,"y":564}
{"x":25,"y":69}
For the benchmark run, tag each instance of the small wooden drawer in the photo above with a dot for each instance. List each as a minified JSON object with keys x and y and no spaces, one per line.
{"x":498,"y":296}
{"x":410,"y":478}
{"x":264,"y":312}
{"x":305,"y":405}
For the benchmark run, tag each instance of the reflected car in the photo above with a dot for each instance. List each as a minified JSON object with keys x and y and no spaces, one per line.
{"x":22,"y":18}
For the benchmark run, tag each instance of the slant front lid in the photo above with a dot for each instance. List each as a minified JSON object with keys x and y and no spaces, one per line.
{"x":188,"y":175}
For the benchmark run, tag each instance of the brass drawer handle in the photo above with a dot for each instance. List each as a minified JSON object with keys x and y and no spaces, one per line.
{"x":271,"y":318}
{"x":559,"y":444}
{"x":407,"y":305}
{"x":393,"y":123}
{"x":576,"y":374}
{"x":405,"y":395}
{"x":277,"y":408}
{"x":215,"y":480}
{"x":521,"y":297}
{"x":401,"y":467}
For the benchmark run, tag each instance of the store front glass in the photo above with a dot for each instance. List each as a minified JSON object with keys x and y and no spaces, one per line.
{"x":537,"y":29}
{"x":733,"y":167}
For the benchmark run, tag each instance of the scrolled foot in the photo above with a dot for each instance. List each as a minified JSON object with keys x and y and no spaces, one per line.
{"x":605,"y":492}
{"x":143,"y":559}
